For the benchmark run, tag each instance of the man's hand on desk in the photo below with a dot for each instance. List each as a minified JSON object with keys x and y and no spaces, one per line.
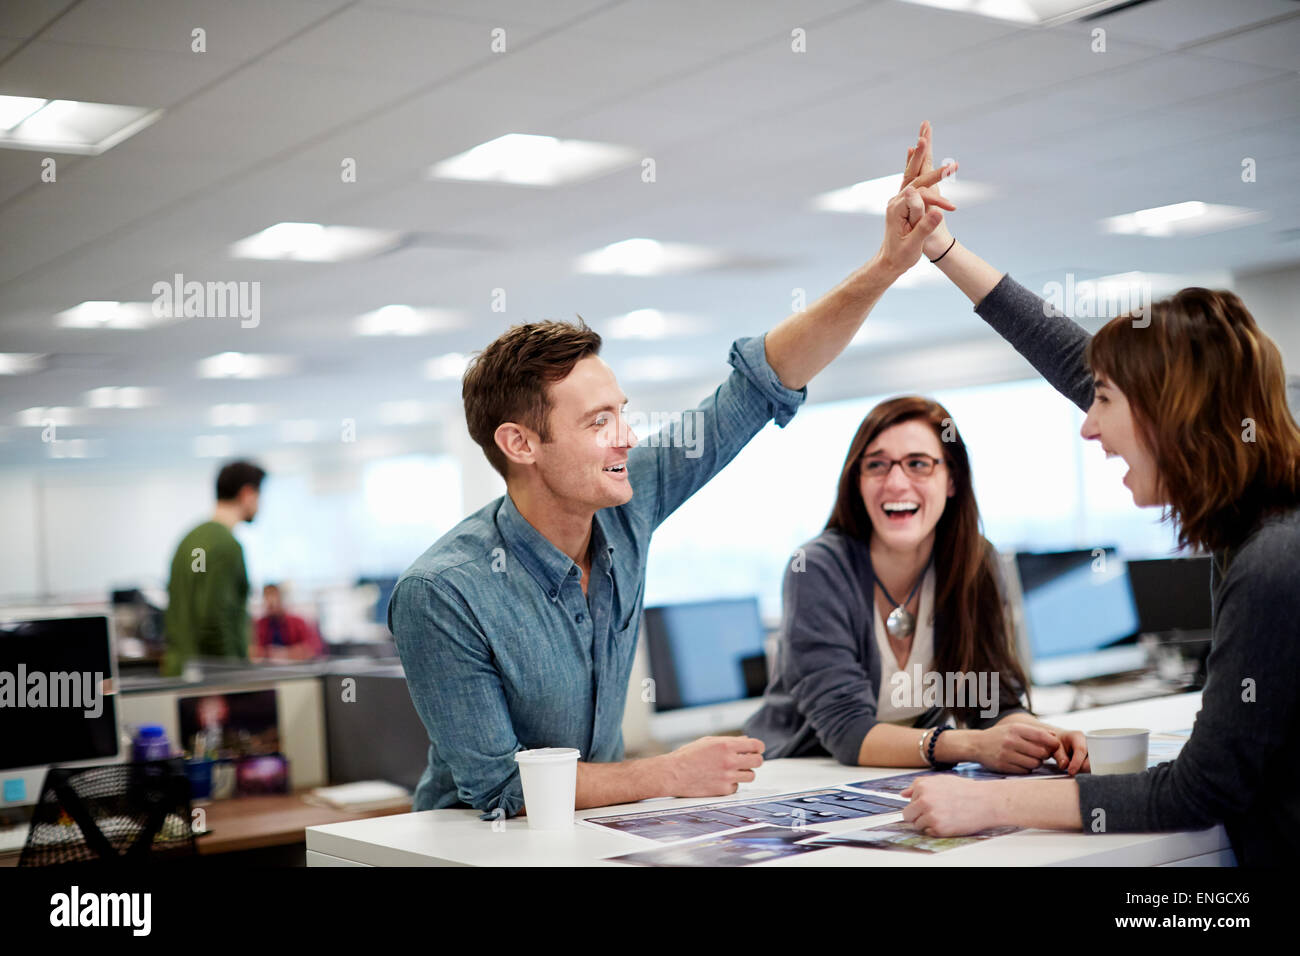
{"x":712,"y":766}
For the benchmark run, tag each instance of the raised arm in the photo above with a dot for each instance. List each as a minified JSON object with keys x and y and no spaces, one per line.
{"x":1051,"y":342}
{"x":770,"y":372}
{"x":805,"y":343}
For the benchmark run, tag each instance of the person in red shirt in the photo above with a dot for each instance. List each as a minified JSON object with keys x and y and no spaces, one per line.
{"x":282,"y":636}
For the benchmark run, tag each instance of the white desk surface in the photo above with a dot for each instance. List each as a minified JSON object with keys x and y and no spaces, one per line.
{"x":459,"y":837}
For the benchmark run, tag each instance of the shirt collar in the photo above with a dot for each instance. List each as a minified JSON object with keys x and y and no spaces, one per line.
{"x":543,"y":560}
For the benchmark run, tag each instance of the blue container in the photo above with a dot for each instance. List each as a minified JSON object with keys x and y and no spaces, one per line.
{"x":150,"y":743}
{"x":200,"y":776}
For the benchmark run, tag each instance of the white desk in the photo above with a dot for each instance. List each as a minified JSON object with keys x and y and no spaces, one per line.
{"x":460,"y":838}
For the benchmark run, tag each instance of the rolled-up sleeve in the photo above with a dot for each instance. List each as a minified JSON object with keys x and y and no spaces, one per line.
{"x":676,"y":462}
{"x":828,"y":681}
{"x":457,"y":692}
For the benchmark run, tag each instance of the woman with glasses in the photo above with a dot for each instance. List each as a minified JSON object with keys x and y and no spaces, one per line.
{"x":894,"y":624}
{"x":1192,"y":395}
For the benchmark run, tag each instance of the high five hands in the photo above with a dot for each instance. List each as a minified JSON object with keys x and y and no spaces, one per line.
{"x":915,"y":213}
{"x":918,"y":173}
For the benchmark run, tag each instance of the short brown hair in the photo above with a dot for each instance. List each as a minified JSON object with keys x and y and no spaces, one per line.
{"x":1208,"y":393}
{"x":508,"y":380}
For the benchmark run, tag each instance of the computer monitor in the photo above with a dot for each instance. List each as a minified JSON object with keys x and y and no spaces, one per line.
{"x":58,"y":701}
{"x":1078,"y":614}
{"x":1172,"y":594}
{"x":705,"y":652}
{"x":386,"y":584}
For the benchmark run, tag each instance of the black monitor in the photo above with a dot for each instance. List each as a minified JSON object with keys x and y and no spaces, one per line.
{"x":1172,"y":594}
{"x":705,"y":652}
{"x":57,"y":700}
{"x":1078,"y":613}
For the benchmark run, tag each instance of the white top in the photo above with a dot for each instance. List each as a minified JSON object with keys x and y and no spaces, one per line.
{"x":922,"y":654}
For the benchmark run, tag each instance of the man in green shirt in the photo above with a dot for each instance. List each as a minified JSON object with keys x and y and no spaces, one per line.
{"x":207,"y":613}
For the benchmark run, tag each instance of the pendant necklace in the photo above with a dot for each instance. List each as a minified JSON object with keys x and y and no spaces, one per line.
{"x":901,"y":623}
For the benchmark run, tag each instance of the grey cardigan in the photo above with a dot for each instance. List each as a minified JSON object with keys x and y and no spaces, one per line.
{"x":1239,"y":767}
{"x":821,"y":698}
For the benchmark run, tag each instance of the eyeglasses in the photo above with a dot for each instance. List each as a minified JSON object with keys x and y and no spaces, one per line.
{"x":914,"y":466}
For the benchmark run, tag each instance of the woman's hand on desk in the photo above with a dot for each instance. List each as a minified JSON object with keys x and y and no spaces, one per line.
{"x":947,"y":805}
{"x":1015,"y":746}
{"x":1072,"y":751}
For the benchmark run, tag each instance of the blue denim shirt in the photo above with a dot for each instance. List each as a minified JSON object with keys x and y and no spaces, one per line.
{"x":502,"y":650}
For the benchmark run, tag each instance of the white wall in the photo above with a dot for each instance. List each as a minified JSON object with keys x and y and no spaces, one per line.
{"x":1273,"y":298}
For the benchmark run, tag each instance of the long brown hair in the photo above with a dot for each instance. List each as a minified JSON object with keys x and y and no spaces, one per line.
{"x":1207,"y":390}
{"x":976,"y":637}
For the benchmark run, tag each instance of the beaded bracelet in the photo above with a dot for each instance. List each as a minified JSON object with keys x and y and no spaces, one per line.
{"x":930,"y":753}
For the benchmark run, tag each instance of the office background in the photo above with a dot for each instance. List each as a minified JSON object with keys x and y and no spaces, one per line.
{"x":749,"y":114}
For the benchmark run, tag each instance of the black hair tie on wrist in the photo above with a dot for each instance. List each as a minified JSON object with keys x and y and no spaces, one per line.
{"x":946,"y":251}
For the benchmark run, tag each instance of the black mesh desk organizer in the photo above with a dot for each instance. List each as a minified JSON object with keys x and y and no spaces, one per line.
{"x":115,"y":814}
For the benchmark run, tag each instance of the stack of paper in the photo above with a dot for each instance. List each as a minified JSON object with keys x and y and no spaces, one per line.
{"x":362,"y":795}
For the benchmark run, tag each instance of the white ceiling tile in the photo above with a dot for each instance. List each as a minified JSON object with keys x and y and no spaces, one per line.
{"x":235,"y":29}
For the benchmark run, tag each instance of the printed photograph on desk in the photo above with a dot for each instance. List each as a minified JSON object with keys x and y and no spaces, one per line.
{"x":757,"y":845}
{"x":785,"y":810}
{"x":971,"y":771}
{"x":903,"y":836}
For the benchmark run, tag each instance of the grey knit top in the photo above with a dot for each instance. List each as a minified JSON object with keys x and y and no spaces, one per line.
{"x":1239,"y":767}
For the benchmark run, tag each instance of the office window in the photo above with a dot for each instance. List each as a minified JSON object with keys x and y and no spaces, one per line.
{"x":1039,"y":485}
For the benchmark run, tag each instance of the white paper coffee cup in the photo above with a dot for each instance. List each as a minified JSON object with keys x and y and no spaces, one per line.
{"x":1118,"y":750}
{"x":550,"y":779}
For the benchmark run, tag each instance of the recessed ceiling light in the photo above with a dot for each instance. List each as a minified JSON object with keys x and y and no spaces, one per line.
{"x":21,"y":363}
{"x":872,"y":195}
{"x":243,"y":365}
{"x":405,"y":320}
{"x":652,"y":324}
{"x":444,"y":367}
{"x":104,"y":314}
{"x":1040,"y":12}
{"x":313,"y":242}
{"x":69,"y":126}
{"x":647,"y":257}
{"x":1182,"y":219}
{"x":213,"y":446}
{"x":58,"y":415}
{"x":524,"y":159}
{"x":15,"y":109}
{"x":119,"y":396}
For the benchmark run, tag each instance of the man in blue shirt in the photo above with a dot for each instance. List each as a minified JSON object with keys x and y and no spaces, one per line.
{"x":517,"y":628}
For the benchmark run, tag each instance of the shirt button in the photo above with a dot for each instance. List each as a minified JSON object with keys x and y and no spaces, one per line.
{"x":572,"y":571}
{"x":553,"y":594}
{"x":580,"y":618}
